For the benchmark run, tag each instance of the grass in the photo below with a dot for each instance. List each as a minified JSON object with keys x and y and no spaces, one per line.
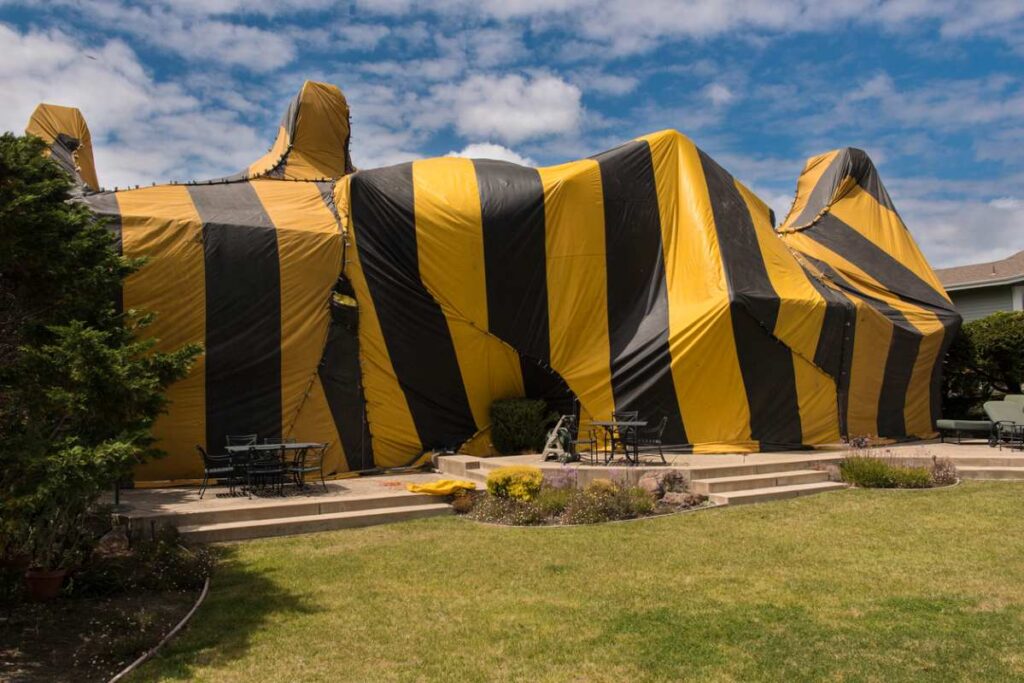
{"x":856,"y":585}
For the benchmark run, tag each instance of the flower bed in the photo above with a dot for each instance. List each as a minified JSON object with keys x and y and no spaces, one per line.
{"x":520,"y":496}
{"x":888,"y":471}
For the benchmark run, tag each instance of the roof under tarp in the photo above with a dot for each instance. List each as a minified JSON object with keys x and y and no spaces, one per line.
{"x":645,"y":278}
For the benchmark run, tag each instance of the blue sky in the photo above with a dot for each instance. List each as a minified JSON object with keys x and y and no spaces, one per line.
{"x":933,"y":90}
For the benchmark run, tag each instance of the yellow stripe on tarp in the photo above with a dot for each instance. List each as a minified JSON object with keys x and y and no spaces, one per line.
{"x":309,"y":251}
{"x":705,"y":365}
{"x":392,"y":429}
{"x":268,"y":161}
{"x":883,"y":227}
{"x":162,"y":225}
{"x":450,"y":249}
{"x":798,"y":325}
{"x":809,"y":177}
{"x":577,"y":283}
{"x":321,"y":134}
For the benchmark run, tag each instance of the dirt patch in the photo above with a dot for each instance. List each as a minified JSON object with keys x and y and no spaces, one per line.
{"x":85,"y":639}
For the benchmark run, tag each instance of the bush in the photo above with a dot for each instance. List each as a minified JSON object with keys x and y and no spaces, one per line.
{"x":943,"y":472}
{"x":163,"y":563}
{"x":519,"y":425}
{"x":507,"y":511}
{"x":604,"y":501}
{"x":870,"y":472}
{"x":519,"y":482}
{"x":984,"y":360}
{"x":463,"y":502}
{"x":552,"y":500}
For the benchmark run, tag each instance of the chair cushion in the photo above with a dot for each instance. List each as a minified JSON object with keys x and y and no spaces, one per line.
{"x":965,"y":425}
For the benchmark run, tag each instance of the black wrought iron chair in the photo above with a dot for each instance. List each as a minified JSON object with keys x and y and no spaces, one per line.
{"x":241,"y":439}
{"x":649,"y":439}
{"x":265,"y":470}
{"x":218,"y":468}
{"x":308,"y":461}
{"x":620,"y":436}
{"x":582,"y":441}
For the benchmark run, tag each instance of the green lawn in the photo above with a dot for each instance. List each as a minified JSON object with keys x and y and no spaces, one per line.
{"x":856,"y":585}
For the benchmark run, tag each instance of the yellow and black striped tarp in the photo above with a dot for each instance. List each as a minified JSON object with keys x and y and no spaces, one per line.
{"x":385,"y":310}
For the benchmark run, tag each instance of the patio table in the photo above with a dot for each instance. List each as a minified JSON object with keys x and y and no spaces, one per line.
{"x":616,"y":428}
{"x":299,"y":448}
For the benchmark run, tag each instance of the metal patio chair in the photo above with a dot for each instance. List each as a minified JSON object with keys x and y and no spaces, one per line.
{"x":219,"y":468}
{"x":265,"y":470}
{"x":307,"y":462}
{"x":241,"y":439}
{"x":1007,"y":423}
{"x":649,"y":439}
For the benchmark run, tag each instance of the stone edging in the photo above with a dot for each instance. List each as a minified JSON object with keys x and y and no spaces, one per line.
{"x":146,"y":656}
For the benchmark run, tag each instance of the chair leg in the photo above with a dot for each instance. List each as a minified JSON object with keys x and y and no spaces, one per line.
{"x":202,"y":487}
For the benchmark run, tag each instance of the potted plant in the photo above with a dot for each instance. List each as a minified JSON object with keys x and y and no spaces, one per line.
{"x":56,"y":539}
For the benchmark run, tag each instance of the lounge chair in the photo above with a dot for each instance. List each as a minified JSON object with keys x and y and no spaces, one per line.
{"x":1015,"y":398}
{"x":1007,"y":423}
{"x":961,"y":427}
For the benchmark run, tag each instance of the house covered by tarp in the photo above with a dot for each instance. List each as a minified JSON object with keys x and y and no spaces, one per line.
{"x":384,"y":310}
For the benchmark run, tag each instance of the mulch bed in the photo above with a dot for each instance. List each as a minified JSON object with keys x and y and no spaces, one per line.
{"x":85,"y":639}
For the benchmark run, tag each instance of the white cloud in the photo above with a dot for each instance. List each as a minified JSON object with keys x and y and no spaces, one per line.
{"x":489,"y":150}
{"x":512,"y":108}
{"x":718,"y":94}
{"x":143,"y":130}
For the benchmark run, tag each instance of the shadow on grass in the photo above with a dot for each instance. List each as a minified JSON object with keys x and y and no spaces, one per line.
{"x":243,"y":599}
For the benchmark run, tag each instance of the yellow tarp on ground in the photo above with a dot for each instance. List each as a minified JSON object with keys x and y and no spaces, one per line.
{"x":442,"y":487}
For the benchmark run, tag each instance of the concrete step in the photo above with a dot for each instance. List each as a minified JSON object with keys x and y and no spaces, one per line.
{"x":750,"y":469}
{"x":287,"y":526}
{"x":242,"y":509}
{"x":458,"y":465}
{"x":773,"y":493}
{"x":756,"y":481}
{"x":991,"y":472}
{"x":993,"y":458}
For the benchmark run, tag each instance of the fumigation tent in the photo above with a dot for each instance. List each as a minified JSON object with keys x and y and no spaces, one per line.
{"x":384,"y":310}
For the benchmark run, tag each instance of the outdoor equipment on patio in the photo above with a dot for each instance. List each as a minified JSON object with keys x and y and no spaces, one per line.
{"x":384,"y":310}
{"x":1008,"y":423}
{"x":960,"y":427}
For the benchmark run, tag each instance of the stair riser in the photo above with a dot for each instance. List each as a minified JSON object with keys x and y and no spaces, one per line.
{"x":306,"y":526}
{"x":783,"y":479}
{"x":720,"y":499}
{"x":696,"y":473}
{"x":278,"y":511}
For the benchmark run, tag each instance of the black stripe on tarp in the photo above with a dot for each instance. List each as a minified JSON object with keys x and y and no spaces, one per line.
{"x":866,"y":255}
{"x":899,"y":364}
{"x":950,"y":328}
{"x":105,"y":205}
{"x":641,"y":365}
{"x":243,"y":313}
{"x":414,"y":327}
{"x":834,"y":352}
{"x":341,"y":378}
{"x":512,"y":214}
{"x":765,"y":363}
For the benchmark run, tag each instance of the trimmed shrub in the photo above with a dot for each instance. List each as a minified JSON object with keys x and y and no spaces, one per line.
{"x":519,"y":425}
{"x":518,"y":482}
{"x":869,"y":472}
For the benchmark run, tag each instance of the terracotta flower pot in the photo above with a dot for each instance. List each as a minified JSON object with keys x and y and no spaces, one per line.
{"x":44,"y":584}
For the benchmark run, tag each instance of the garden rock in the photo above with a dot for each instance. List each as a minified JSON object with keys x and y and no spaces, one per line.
{"x":681,"y":499}
{"x":113,"y":543}
{"x":651,"y":483}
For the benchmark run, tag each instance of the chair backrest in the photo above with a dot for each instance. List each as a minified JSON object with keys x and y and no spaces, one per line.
{"x":1015,"y":398}
{"x":662,"y":425}
{"x":202,"y":453}
{"x":242,"y":439}
{"x":278,"y":439}
{"x":1004,"y":411}
{"x":625,"y":415}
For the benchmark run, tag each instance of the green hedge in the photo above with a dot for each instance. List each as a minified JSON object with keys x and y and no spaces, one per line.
{"x":519,"y":425}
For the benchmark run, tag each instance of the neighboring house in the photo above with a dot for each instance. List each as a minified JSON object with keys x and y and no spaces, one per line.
{"x":981,"y":289}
